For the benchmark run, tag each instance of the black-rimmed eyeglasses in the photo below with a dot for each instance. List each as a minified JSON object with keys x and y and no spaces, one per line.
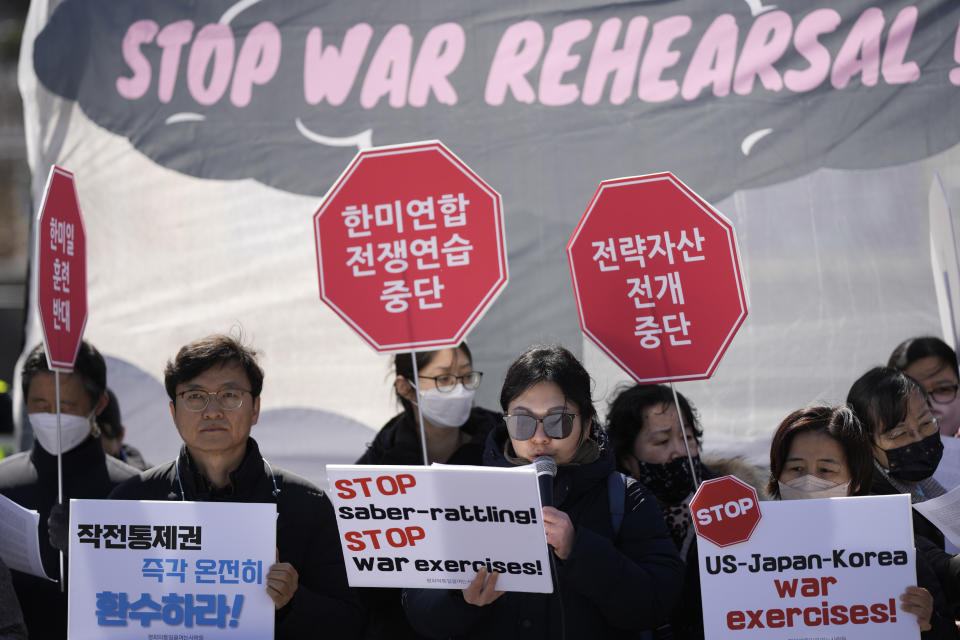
{"x":945,"y":393}
{"x":448,"y":381}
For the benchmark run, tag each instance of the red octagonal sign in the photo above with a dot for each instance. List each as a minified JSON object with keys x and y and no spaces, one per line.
{"x":410,"y":247}
{"x":725,"y":511}
{"x":61,"y":252}
{"x":657,"y":278}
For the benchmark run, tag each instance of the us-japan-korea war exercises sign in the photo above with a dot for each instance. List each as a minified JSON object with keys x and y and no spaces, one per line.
{"x":822,"y":568}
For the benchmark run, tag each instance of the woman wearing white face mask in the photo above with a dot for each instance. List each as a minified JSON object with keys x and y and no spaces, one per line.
{"x":456,"y":432}
{"x":824,"y":452}
{"x":931,"y":362}
{"x":455,"y":429}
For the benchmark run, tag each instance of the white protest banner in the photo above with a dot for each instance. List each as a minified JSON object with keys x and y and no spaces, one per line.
{"x":436,"y":527}
{"x":156,"y":569}
{"x":828,"y":568}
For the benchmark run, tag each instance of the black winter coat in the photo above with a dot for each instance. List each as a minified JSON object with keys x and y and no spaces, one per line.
{"x":937,"y":571}
{"x":611,"y":586}
{"x":30,"y":480}
{"x":307,"y":536}
{"x":398,"y":442}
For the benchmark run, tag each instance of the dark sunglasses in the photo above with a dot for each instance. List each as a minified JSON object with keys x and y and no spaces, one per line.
{"x":555,"y":425}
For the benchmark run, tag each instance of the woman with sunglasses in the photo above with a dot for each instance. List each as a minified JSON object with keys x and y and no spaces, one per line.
{"x":931,"y":362}
{"x":456,"y":432}
{"x":612,"y":578}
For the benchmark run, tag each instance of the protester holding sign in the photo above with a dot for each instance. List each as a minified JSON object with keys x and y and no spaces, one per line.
{"x":30,"y":478}
{"x":613,"y":574}
{"x":824,"y":452}
{"x":644,"y":429}
{"x":214,"y":387}
{"x":455,"y":431}
{"x":932,"y":363}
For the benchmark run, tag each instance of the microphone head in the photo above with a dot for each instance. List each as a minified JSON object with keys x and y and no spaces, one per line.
{"x":545,"y":466}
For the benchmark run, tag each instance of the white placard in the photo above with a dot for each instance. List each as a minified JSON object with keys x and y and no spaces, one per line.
{"x":435,"y":527}
{"x":19,"y":538}
{"x":948,"y":471}
{"x":944,"y":513}
{"x":829,"y":568}
{"x":142,"y":569}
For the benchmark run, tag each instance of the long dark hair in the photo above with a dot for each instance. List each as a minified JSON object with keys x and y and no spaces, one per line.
{"x":909,"y":351}
{"x":881,"y":399}
{"x":553,"y":364}
{"x":625,"y":415}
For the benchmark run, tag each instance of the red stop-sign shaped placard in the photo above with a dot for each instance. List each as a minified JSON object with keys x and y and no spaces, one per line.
{"x":725,"y":511}
{"x":410,"y":247}
{"x":657,"y":278}
{"x":61,"y":270}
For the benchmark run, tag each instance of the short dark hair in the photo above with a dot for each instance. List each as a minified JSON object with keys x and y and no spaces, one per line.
{"x":880,"y":398}
{"x":625,"y":414}
{"x":550,"y":364}
{"x":89,"y":365}
{"x":909,"y":351}
{"x":841,"y":424}
{"x":212,"y":351}
{"x":403,"y":367}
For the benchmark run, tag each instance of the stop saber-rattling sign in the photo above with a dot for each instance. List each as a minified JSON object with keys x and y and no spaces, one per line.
{"x":657,"y":278}
{"x":410,"y":247}
{"x":61,"y":270}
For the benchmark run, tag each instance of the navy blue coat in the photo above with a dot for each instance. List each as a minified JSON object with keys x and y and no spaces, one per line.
{"x":611,"y":586}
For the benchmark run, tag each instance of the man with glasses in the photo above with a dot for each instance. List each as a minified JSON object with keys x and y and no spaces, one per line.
{"x":214,"y":387}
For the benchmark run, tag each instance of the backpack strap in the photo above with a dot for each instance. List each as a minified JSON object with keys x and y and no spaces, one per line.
{"x":617,"y":484}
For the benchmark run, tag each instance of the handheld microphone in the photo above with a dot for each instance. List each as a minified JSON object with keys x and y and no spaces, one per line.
{"x":546,"y":470}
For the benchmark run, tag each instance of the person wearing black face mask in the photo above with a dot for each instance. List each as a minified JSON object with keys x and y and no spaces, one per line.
{"x":905,"y":441}
{"x":644,"y":428}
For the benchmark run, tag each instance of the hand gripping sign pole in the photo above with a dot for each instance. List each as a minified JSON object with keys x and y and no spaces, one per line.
{"x":61,"y":291}
{"x":657,"y":279}
{"x":452,"y":265}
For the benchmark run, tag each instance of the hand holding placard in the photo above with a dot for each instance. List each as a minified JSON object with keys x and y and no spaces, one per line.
{"x":560,"y":532}
{"x":483,"y":590}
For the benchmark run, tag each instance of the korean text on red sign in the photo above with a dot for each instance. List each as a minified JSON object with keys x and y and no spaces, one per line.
{"x":657,"y":278}
{"x":410,"y":247}
{"x":61,"y":270}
